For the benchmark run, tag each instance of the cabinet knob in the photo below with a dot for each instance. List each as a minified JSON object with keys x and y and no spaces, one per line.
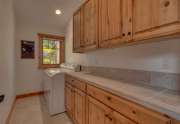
{"x":123,"y":34}
{"x":129,"y":33}
{"x":108,"y":117}
{"x":134,"y":112}
{"x":109,"y":98}
{"x":167,"y":3}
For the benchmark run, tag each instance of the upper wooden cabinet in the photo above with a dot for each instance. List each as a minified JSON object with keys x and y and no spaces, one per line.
{"x":78,"y":30}
{"x":108,"y":23}
{"x":90,"y":24}
{"x":115,"y":22}
{"x":155,"y":18}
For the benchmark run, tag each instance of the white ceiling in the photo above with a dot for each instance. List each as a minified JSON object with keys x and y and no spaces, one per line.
{"x":42,"y":12}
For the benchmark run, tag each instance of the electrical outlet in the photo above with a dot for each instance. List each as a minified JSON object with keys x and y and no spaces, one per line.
{"x":2,"y":98}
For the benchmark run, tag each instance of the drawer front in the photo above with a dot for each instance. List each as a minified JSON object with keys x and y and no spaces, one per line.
{"x":76,"y":82}
{"x":126,"y":108}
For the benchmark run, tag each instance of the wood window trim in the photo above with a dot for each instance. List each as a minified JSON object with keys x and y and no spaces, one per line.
{"x":62,"y":50}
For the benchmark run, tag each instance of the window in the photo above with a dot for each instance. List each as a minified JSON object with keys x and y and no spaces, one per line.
{"x":51,"y":51}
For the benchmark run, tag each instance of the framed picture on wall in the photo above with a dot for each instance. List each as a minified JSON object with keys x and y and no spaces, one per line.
{"x":27,"y":49}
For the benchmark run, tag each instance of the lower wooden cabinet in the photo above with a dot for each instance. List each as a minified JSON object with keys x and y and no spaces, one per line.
{"x":69,"y":100}
{"x":98,"y":113}
{"x":87,"y":104}
{"x":75,"y":102}
{"x":79,"y":107}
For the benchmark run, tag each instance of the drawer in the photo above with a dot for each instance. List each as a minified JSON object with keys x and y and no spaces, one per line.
{"x":131,"y":110}
{"x":76,"y":83}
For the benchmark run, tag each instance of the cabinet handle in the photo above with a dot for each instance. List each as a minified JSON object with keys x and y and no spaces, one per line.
{"x":109,"y":98}
{"x":167,"y":3}
{"x":109,"y":117}
{"x":134,"y":112}
{"x":129,"y":33}
{"x":123,"y":34}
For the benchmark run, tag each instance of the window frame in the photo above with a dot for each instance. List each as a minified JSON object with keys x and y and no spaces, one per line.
{"x":62,"y":50}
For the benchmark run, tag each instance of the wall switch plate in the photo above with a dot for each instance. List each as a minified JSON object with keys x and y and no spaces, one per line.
{"x":2,"y":98}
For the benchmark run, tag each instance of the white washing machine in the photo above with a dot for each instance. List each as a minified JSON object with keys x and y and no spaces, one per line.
{"x":54,"y":92}
{"x":53,"y":87}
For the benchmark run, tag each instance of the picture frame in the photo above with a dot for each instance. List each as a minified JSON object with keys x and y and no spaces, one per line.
{"x":27,"y":49}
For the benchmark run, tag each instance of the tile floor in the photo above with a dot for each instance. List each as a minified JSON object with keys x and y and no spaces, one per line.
{"x":33,"y":110}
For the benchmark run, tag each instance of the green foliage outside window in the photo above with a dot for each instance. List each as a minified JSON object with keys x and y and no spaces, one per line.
{"x":51,"y":53}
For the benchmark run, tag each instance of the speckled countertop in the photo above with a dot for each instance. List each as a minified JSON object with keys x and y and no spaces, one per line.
{"x":160,"y":100}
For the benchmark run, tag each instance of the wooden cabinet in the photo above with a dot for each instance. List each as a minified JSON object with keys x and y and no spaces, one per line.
{"x":98,"y":113}
{"x":90,"y":24}
{"x":115,"y":22}
{"x":75,"y":100}
{"x":87,"y":104}
{"x":78,"y":31}
{"x":155,"y":18}
{"x":79,"y":109}
{"x":129,"y":109}
{"x":108,"y":23}
{"x":69,"y":100}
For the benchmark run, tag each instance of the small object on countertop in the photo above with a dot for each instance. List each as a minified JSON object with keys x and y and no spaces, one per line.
{"x":2,"y":98}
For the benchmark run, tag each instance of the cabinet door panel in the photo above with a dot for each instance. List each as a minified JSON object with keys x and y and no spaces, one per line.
{"x":77,"y":30}
{"x":90,"y":23}
{"x":69,"y":100}
{"x":168,"y":12}
{"x":155,"y":18}
{"x":79,"y":109}
{"x":97,"y":112}
{"x":115,"y":18}
{"x":110,"y":21}
{"x":115,"y":22}
{"x":143,"y":15}
{"x":103,"y":20}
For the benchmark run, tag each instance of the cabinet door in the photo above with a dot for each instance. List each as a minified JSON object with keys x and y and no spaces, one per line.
{"x":114,"y":22}
{"x":117,"y":118}
{"x":69,"y":100}
{"x":77,"y":31}
{"x":97,"y":112}
{"x":155,"y":18}
{"x":79,"y":109}
{"x":90,"y":24}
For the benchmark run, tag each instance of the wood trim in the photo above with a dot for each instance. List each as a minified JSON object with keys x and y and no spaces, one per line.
{"x":11,"y":111}
{"x":21,"y":97}
{"x":51,"y":36}
{"x":29,"y":94}
{"x":62,"y":50}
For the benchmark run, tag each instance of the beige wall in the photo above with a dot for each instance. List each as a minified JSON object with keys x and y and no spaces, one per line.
{"x":159,"y":56}
{"x":6,"y":57}
{"x":28,"y":76}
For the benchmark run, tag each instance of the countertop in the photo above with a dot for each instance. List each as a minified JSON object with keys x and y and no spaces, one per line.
{"x":160,"y":100}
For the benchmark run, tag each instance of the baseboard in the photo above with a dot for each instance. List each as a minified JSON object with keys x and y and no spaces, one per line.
{"x":29,"y":95}
{"x":11,"y":111}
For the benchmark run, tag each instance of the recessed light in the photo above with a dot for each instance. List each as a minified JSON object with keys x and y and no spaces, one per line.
{"x":58,"y":12}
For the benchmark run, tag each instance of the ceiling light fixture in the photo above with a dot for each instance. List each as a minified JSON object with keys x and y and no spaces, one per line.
{"x":58,"y":12}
